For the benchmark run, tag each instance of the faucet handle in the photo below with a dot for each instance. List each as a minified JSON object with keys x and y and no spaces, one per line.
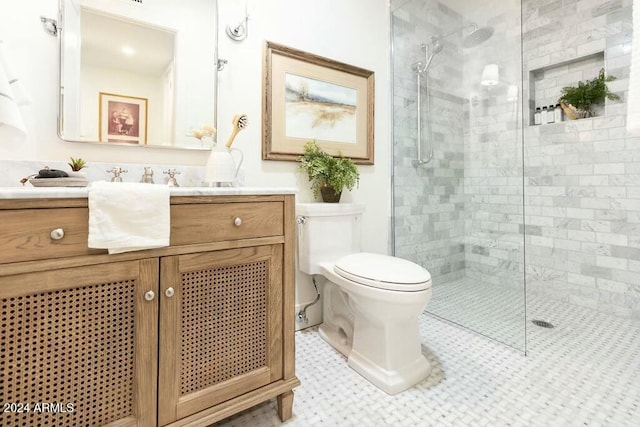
{"x":172,"y":177}
{"x":116,"y":173}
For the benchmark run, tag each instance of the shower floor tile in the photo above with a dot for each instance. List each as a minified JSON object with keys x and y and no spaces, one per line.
{"x":491,"y":310}
{"x":583,"y":372}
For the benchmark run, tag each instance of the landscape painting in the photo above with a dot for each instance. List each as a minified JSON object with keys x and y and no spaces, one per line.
{"x":307,"y":97}
{"x":319,"y":110}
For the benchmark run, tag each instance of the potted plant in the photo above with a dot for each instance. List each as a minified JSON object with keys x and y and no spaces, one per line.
{"x":328,"y":175}
{"x":578,"y":101}
{"x":76,"y":166}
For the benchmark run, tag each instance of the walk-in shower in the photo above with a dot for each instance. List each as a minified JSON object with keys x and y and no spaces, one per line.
{"x":458,"y":207}
{"x":496,"y":199}
{"x":421,"y":69}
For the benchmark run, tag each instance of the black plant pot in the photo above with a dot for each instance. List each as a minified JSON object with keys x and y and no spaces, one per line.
{"x":329,"y":195}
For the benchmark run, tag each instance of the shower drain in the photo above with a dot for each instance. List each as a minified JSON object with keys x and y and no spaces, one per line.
{"x":542,"y":323}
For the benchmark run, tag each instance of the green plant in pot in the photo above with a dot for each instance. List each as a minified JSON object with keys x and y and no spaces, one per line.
{"x":76,"y":166}
{"x":328,"y":175}
{"x":578,"y":101}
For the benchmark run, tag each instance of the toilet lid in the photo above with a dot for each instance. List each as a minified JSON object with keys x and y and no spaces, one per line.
{"x":384,"y":272}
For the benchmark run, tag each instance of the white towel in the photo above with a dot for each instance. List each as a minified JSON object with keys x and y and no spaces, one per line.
{"x":12,"y":95}
{"x":126,"y":217}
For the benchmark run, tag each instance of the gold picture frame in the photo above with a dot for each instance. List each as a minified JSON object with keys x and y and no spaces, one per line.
{"x":122,"y":119}
{"x":310,"y":97}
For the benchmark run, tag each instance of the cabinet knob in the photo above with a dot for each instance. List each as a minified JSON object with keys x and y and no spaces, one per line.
{"x":149,"y":296}
{"x":169,"y":292}
{"x":237,"y":221}
{"x":57,"y":234}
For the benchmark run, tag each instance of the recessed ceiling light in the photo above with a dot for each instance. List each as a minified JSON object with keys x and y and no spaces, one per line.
{"x":128,"y":50}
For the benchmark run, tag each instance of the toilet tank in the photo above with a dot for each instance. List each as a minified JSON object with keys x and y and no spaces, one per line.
{"x":326,"y":232}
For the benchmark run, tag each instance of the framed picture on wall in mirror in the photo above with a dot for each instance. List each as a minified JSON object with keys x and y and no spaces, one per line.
{"x":310,"y":97}
{"x":122,"y":119}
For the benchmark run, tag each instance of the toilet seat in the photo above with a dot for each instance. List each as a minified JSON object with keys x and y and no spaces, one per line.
{"x":383,"y":272}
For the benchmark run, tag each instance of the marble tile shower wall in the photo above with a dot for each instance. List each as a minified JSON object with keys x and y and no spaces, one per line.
{"x":582,"y":183}
{"x":429,"y":200}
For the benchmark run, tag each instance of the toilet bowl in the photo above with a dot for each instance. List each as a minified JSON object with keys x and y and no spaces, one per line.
{"x":371,"y":301}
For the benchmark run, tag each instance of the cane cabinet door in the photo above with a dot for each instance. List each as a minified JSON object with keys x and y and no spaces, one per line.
{"x":78,"y":346}
{"x":221,"y":327}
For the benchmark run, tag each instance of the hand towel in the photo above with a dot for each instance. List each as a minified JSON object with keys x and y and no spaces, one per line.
{"x":12,"y":95}
{"x":126,"y":217}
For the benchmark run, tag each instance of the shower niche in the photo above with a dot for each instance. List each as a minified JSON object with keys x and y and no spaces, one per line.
{"x":546,"y":83}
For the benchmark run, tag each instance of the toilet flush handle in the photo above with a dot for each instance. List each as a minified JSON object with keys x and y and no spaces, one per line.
{"x":300,"y":220}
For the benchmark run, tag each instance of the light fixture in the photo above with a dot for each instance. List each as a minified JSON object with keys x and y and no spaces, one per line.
{"x":240,"y":31}
{"x":490,"y":75}
{"x":128,"y":50}
{"x":49,"y":25}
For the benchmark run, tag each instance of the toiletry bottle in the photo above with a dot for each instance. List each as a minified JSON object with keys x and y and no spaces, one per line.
{"x":543,"y":116}
{"x":558,"y":113}
{"x":551,"y":114}
{"x":536,"y":117}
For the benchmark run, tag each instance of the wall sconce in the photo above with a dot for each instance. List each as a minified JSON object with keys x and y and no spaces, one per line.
{"x":490,"y":75}
{"x":240,"y":31}
{"x":49,"y":25}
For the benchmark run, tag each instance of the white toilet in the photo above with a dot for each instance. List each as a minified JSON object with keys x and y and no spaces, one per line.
{"x":371,"y":301}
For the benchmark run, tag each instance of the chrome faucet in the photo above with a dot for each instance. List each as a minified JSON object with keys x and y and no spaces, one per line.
{"x":147,"y":176}
{"x":172,"y":177}
{"x":116,"y":173}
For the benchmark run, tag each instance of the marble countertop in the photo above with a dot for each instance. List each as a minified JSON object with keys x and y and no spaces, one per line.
{"x":82,"y":192}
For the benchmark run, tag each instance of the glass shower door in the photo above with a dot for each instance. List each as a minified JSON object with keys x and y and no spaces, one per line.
{"x":458,"y":173}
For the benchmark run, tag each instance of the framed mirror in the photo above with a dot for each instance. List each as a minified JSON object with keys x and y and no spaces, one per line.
{"x":138,"y":72}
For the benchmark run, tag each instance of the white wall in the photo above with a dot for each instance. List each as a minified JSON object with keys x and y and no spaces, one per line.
{"x":355,"y":32}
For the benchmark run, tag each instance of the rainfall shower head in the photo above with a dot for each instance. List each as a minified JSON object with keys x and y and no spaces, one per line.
{"x":477,"y":36}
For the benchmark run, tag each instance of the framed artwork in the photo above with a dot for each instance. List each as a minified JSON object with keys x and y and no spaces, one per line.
{"x":309,"y":97}
{"x":122,"y":119}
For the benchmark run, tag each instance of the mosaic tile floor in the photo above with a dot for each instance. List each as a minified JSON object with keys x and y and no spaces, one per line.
{"x":491,"y":310}
{"x":583,"y":372}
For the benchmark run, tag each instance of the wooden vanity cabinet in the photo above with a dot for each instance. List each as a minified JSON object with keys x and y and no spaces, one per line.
{"x":184,"y":335}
